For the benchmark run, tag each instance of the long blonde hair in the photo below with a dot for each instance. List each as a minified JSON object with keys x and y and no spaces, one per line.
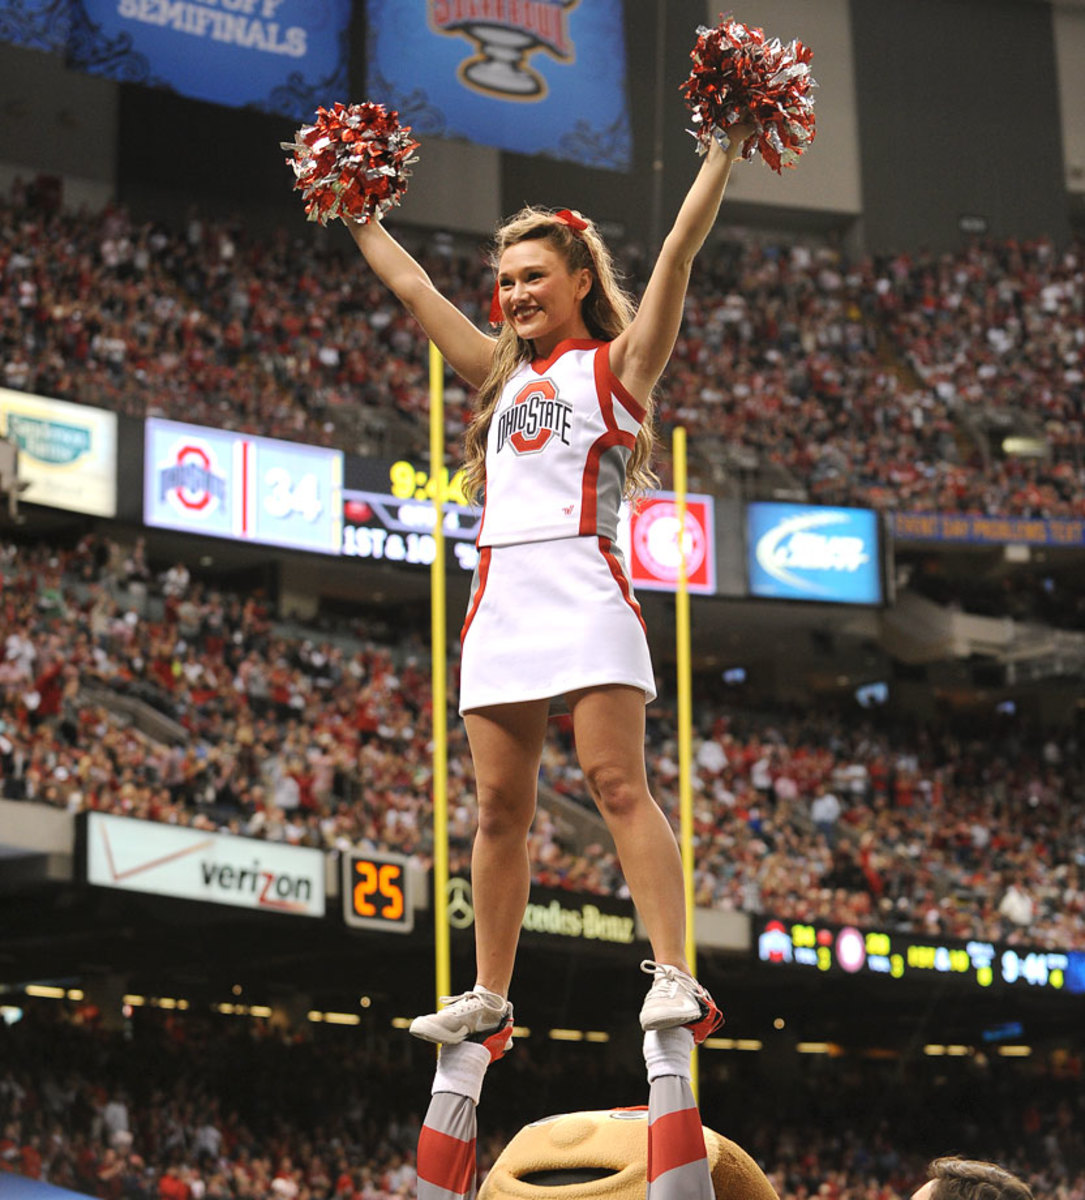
{"x":607,"y":309}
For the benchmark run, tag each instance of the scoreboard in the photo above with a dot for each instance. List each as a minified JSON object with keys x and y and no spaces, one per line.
{"x":225,"y":484}
{"x":845,"y":950}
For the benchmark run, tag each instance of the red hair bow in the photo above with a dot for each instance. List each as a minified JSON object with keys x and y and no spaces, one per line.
{"x":497,"y":317}
{"x":576,"y":223}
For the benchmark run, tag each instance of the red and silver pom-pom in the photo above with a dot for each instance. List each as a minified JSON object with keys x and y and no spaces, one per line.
{"x":351,"y":162}
{"x":741,"y":77}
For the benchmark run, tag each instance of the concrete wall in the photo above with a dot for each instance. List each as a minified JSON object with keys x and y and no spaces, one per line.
{"x":1069,"y":25}
{"x":57,"y":122}
{"x":958,"y":113}
{"x":827,"y":176}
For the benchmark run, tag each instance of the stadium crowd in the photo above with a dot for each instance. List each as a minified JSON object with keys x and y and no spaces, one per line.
{"x":889,"y":382}
{"x":861,"y":382}
{"x":323,"y":739}
{"x":193,"y":1107}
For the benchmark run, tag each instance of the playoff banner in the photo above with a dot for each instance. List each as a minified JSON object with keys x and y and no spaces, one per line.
{"x":282,"y":56}
{"x":530,"y":76}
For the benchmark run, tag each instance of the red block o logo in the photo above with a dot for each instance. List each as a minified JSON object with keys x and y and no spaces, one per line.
{"x":187,"y":454}
{"x":541,"y":389}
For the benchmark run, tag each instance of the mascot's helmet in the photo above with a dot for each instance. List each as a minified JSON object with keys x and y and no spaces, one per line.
{"x":604,"y":1156}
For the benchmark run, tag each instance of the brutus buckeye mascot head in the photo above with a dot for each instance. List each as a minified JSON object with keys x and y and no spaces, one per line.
{"x":604,"y":1156}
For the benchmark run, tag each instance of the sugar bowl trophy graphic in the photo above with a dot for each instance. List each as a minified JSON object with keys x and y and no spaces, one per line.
{"x":499,"y":68}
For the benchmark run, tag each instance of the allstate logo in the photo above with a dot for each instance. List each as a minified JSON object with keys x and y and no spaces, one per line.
{"x":796,"y":544}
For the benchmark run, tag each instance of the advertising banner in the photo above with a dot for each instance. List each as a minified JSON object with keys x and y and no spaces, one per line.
{"x":67,"y":452}
{"x":977,"y":530}
{"x":217,"y":868}
{"x":229,"y":485}
{"x":531,"y":76}
{"x":19,"y":1187}
{"x":552,"y":913}
{"x":282,"y":56}
{"x":803,"y":552}
{"x":648,"y":536}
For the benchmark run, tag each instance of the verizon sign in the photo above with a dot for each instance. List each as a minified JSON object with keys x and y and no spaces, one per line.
{"x":143,"y":856}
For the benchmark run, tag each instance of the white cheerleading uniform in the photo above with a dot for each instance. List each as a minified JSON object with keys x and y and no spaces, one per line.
{"x":551,"y":609}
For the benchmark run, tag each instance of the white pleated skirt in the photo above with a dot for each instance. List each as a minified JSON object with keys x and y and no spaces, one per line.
{"x":549,"y":618}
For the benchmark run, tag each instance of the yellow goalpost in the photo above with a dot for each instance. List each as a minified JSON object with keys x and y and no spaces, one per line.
{"x":439,"y":651}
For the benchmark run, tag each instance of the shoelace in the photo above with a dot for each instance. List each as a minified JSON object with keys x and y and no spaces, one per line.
{"x":666,"y":978}
{"x":446,"y":1001}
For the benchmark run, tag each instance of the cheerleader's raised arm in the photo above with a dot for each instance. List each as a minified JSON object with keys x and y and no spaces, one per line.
{"x":465,"y":347}
{"x":640,"y":353}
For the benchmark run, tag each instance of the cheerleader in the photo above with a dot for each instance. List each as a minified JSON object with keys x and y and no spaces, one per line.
{"x":562,"y":431}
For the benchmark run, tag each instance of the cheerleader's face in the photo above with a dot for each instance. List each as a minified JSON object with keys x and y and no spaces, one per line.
{"x":540,"y":296}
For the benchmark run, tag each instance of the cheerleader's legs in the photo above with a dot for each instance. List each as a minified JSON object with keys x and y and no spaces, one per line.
{"x":608,"y":723}
{"x":506,"y":746}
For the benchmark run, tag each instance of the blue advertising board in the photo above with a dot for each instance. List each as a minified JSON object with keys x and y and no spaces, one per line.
{"x":531,"y":76}
{"x":977,"y":529}
{"x":282,"y":56}
{"x":18,"y":1187}
{"x":230,"y":485}
{"x":803,"y":552}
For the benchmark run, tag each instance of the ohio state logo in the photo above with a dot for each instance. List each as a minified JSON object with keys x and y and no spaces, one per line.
{"x":535,"y":415}
{"x":192,"y":483}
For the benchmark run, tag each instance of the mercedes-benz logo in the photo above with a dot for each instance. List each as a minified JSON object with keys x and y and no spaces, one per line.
{"x":461,"y":911}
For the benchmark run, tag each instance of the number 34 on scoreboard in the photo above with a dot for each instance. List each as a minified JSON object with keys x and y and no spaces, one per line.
{"x":377,"y":892}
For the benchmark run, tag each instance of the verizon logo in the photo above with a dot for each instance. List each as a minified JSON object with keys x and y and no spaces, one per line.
{"x":270,"y":889}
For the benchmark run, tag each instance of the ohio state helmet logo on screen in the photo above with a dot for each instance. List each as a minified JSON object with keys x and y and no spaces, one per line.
{"x":193,"y":483}
{"x":535,"y":415}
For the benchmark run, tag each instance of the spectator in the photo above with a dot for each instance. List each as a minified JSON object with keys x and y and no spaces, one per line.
{"x":964,"y":1179}
{"x":825,"y":812}
{"x":1016,"y":905}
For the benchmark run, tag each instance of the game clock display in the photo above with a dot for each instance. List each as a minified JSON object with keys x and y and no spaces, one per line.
{"x":390,"y":518}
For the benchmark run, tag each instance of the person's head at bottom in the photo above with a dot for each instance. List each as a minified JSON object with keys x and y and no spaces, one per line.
{"x":970,"y":1179}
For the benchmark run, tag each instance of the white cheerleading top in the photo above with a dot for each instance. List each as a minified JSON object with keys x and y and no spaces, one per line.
{"x":557,"y":448}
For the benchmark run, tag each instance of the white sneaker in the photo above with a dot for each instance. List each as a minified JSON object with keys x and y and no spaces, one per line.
{"x":473,"y":1015}
{"x":676,"y":998}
